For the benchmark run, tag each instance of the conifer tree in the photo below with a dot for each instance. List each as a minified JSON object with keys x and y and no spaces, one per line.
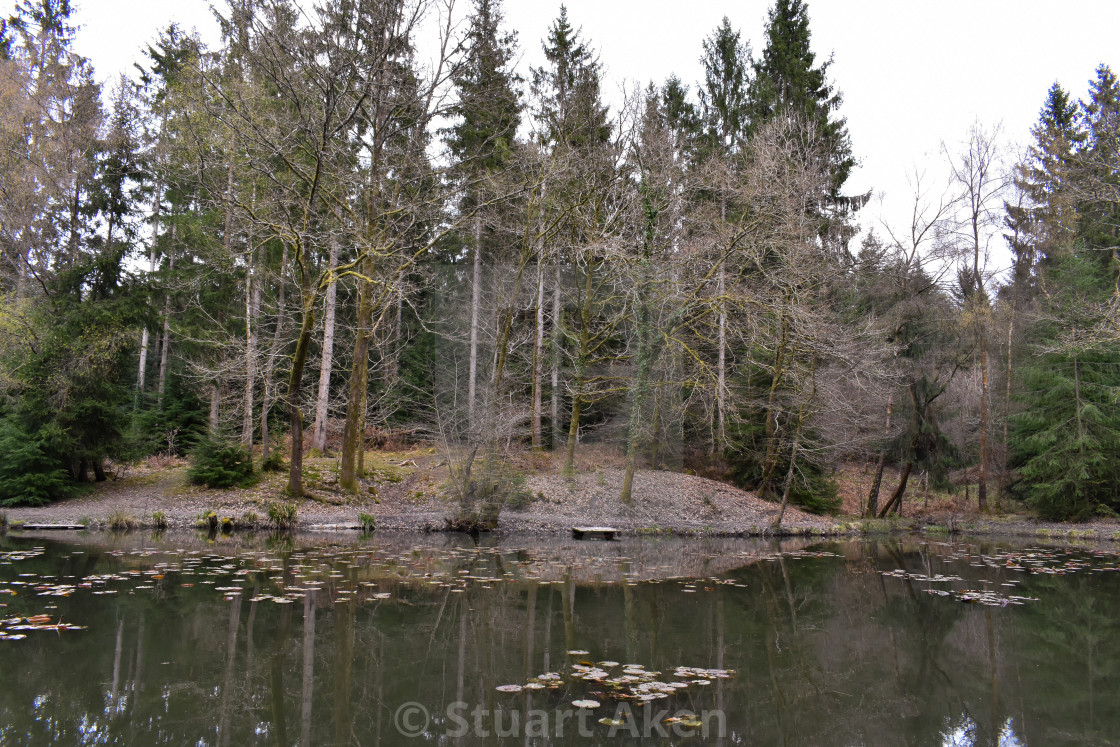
{"x":788,"y":82}
{"x":482,"y":143}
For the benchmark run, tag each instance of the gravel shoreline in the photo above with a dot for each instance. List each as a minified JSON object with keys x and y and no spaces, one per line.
{"x":663,"y":503}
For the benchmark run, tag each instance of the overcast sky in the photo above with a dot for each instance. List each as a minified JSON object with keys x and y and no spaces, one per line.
{"x":913,"y":74}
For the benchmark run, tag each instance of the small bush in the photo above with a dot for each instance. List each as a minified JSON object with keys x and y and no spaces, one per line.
{"x":282,"y":516}
{"x":274,"y":462}
{"x":208,"y":520}
{"x":3,"y":523}
{"x":119,"y":521}
{"x":368,"y":522}
{"x":220,"y":465}
{"x":250,"y":519}
{"x":482,"y":487}
{"x":159,"y":520}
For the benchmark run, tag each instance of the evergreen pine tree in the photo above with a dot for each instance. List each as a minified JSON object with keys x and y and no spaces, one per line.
{"x":1066,"y":438}
{"x":570,"y":108}
{"x":1098,"y":169}
{"x":489,"y":107}
{"x":787,"y":82}
{"x":1046,"y":222}
{"x":723,"y":95}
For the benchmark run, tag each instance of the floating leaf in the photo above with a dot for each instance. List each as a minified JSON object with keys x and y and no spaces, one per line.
{"x":586,"y":703}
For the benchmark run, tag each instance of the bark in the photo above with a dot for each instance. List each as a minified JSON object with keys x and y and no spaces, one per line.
{"x":556,"y":342}
{"x":721,"y":365}
{"x":982,"y":488}
{"x":252,"y":315}
{"x":788,"y":486}
{"x":295,"y":383}
{"x":142,"y":372}
{"x":157,"y":199}
{"x":538,"y":356}
{"x":166,"y":340}
{"x":1006,"y":412}
{"x":319,"y":430}
{"x":273,"y":352}
{"x":476,"y":290}
{"x":645,"y":356}
{"x":771,"y":460}
{"x":896,"y":498}
{"x":873,"y":494}
{"x":581,"y":368}
{"x":215,"y":409}
{"x":352,"y":441}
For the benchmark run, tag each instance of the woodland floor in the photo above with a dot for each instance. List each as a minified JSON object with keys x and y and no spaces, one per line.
{"x":405,"y":491}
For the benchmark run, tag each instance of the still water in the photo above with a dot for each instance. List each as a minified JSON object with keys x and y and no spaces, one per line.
{"x":398,"y":640}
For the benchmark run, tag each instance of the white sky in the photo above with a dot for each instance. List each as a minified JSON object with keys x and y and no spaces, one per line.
{"x":913,"y":74}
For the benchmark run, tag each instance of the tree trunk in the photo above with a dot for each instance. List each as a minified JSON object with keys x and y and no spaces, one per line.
{"x":721,"y":364}
{"x":476,"y":295}
{"x":166,"y":346}
{"x":141,"y":373}
{"x":896,"y":498}
{"x":295,"y":383}
{"x":982,"y":488}
{"x":157,"y":199}
{"x":557,"y":331}
{"x":355,"y":401}
{"x":252,"y":313}
{"x":538,"y":356}
{"x":319,"y":430}
{"x":215,"y":409}
{"x":1006,"y":412}
{"x":873,"y":494}
{"x":273,"y":352}
{"x":771,"y":460}
{"x":787,"y":488}
{"x":720,"y":438}
{"x":580,"y":369}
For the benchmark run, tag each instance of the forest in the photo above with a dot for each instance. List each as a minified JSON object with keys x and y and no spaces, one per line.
{"x":312,"y":237}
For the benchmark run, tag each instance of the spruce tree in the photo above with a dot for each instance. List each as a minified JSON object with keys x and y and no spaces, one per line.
{"x":1046,"y":221}
{"x":570,"y":109}
{"x":788,"y":82}
{"x":1098,"y":167}
{"x":482,"y":142}
{"x":1066,"y":438}
{"x":723,"y":95}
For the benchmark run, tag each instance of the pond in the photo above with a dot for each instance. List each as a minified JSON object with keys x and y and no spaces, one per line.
{"x":405,"y":639}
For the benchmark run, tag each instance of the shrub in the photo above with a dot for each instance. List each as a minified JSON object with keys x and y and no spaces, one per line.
{"x":28,"y":475}
{"x":215,"y":464}
{"x":159,"y":520}
{"x":482,"y":487}
{"x":282,"y":516}
{"x":274,"y":462}
{"x":119,"y":521}
{"x":208,"y":520}
{"x":368,"y":522}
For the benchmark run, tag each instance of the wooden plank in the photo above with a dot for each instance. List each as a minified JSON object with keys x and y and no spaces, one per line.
{"x":606,"y":533}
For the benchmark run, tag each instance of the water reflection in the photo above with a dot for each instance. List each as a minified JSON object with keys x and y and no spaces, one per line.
{"x":259,"y":644}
